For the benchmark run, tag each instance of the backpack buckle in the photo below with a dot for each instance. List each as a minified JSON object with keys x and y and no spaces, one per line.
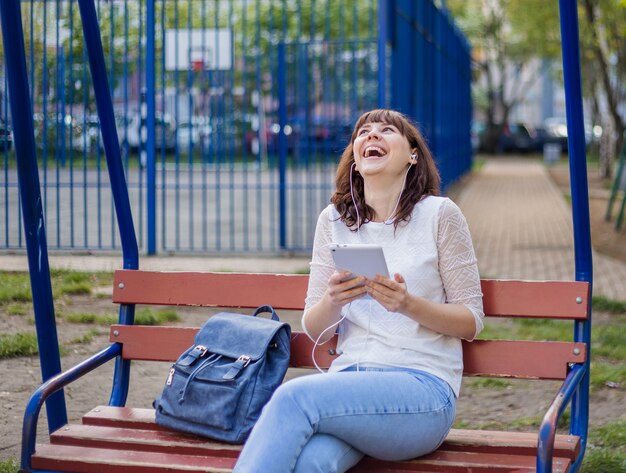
{"x":245,"y":359}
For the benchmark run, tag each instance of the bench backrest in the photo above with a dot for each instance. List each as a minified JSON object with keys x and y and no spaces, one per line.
{"x":495,"y":358}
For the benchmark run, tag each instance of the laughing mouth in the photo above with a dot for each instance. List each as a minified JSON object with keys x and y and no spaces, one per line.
{"x":373,"y":152}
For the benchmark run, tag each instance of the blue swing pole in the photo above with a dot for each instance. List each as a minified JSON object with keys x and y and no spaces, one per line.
{"x":130,"y":252}
{"x":32,"y":210}
{"x":580,"y":216}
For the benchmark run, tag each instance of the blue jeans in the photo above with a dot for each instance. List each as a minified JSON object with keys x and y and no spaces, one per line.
{"x":327,"y":422}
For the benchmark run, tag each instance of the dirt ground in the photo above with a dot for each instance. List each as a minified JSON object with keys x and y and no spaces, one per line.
{"x":479,"y":406}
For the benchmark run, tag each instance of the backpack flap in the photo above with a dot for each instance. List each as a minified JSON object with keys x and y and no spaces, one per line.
{"x":240,"y":337}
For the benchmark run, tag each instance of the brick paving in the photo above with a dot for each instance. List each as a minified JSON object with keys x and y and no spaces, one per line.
{"x":520,"y":223}
{"x":522,"y":227}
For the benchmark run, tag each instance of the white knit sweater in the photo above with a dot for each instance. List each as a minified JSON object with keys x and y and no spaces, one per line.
{"x":435,"y":255}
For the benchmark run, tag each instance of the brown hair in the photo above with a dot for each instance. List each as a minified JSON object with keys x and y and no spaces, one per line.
{"x":422,"y":178}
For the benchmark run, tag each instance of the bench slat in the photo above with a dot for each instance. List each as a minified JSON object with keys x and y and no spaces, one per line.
{"x":498,"y":358}
{"x":210,"y":289}
{"x":70,"y":458}
{"x":551,"y":299}
{"x":138,"y":425}
{"x":83,"y":459}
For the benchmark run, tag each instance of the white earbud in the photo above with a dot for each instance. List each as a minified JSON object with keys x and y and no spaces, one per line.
{"x":413,"y":157}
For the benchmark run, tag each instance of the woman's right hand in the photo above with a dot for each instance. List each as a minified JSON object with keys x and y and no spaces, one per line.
{"x":343,"y":289}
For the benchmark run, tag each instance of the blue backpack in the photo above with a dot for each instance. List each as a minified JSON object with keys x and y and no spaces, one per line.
{"x":219,"y":385}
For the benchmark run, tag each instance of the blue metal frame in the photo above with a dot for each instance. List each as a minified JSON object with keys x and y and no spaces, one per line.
{"x":433,"y":56}
{"x":49,"y":388}
{"x":574,"y":388}
{"x":32,"y":210}
{"x":130,"y":251}
{"x":576,"y":385}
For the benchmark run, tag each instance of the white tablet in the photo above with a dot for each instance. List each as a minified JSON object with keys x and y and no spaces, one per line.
{"x":360,"y":259}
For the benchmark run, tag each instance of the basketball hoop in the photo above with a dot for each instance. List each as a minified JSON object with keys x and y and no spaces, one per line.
{"x":197,"y":65}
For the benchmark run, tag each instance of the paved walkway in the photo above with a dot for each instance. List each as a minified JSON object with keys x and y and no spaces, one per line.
{"x":520,"y":223}
{"x":522,"y":227}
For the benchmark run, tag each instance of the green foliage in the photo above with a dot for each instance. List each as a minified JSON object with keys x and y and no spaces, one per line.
{"x":89,"y":318}
{"x":17,"y":308}
{"x":14,"y":287}
{"x":610,"y":435}
{"x":144,"y":316}
{"x":528,"y":329}
{"x":606,"y":304}
{"x":610,"y":340}
{"x":73,"y":289}
{"x":607,"y":374}
{"x":494,"y":383}
{"x":148,"y":316}
{"x":8,"y":466}
{"x":603,"y":461}
{"x":18,"y":344}
{"x":85,"y":338}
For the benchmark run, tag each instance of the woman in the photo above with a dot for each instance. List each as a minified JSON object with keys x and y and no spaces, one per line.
{"x":391,"y":393}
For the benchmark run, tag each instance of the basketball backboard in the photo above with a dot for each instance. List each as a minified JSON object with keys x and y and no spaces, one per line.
{"x":210,"y":49}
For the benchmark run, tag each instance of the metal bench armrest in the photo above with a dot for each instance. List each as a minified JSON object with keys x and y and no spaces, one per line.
{"x":54,"y":384}
{"x":547,"y":430}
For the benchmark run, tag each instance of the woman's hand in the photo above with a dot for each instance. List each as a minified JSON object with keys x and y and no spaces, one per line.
{"x":343,"y":289}
{"x":390,"y":293}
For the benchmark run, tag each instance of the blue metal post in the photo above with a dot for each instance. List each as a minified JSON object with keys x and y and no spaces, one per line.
{"x":150,"y":146}
{"x":383,"y":36}
{"x":282,"y":143}
{"x":130,"y":252}
{"x":32,"y":211}
{"x":580,"y":199}
{"x":93,"y":42}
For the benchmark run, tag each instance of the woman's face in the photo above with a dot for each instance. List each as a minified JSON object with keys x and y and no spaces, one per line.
{"x":380,"y":148}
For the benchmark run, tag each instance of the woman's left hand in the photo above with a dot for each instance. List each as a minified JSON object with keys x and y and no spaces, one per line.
{"x":390,"y":293}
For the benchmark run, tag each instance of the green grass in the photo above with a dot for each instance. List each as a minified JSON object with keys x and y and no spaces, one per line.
{"x":17,"y":308}
{"x":528,"y":329}
{"x":8,"y":466}
{"x":609,"y":340}
{"x":608,"y":305}
{"x":492,"y":383}
{"x":85,"y":338}
{"x":144,"y":316}
{"x":18,"y":344}
{"x":604,"y":373}
{"x":15,"y":286}
{"x":89,"y":318}
{"x":606,"y":449}
{"x":148,"y":316}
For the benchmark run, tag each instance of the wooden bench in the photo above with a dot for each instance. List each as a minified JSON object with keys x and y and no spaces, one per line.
{"x":126,"y":439}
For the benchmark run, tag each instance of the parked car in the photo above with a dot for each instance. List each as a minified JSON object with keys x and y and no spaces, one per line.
{"x":129,"y":131}
{"x":85,"y":135}
{"x":518,"y":137}
{"x":6,"y":136}
{"x":554,"y":130}
{"x":477,"y":136}
{"x":56,"y":131}
{"x":195,"y":133}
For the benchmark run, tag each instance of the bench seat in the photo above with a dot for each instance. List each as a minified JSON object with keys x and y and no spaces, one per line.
{"x":129,"y":439}
{"x":114,"y":439}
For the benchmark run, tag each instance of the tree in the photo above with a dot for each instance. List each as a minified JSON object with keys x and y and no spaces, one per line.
{"x":506,"y":35}
{"x":605,"y":31}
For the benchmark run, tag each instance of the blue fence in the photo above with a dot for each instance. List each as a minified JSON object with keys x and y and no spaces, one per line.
{"x":231,"y":115}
